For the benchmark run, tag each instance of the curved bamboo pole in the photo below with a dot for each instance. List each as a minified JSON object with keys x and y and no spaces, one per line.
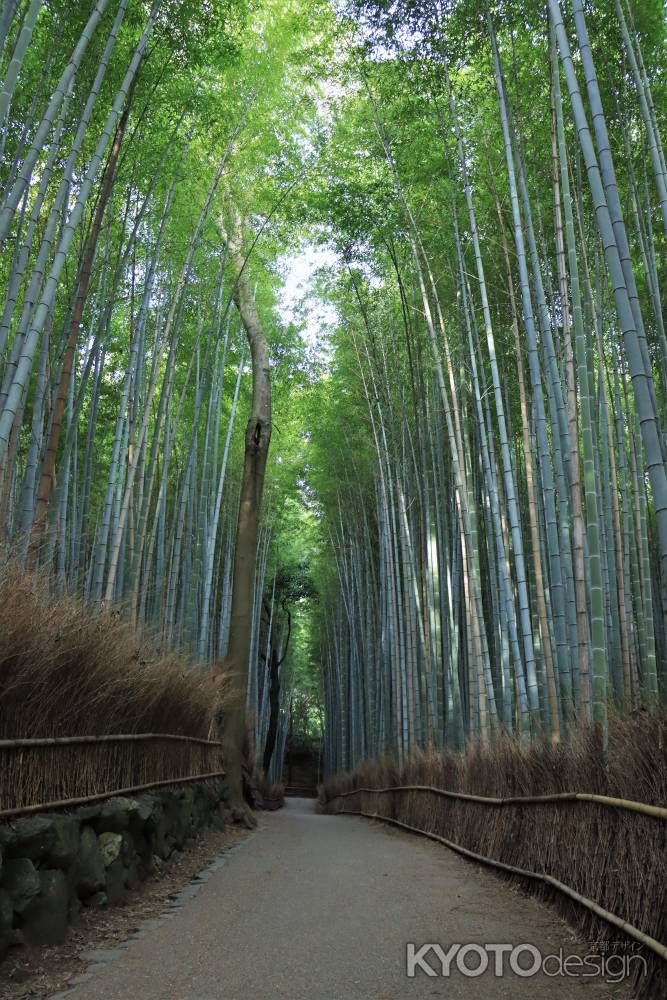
{"x":657,"y":812}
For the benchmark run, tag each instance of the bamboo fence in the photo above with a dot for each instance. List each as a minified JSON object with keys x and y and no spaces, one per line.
{"x":55,"y":772}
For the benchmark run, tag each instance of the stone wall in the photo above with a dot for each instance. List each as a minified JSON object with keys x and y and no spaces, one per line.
{"x":53,"y":864}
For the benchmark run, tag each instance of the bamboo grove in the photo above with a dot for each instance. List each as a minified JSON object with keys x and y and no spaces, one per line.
{"x":135,"y":144}
{"x":497,"y":519}
{"x":464,"y":528}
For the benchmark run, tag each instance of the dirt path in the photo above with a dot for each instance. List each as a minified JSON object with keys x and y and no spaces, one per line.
{"x":322,"y":908}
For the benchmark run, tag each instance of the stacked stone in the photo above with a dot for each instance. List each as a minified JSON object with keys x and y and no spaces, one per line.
{"x":53,"y":864}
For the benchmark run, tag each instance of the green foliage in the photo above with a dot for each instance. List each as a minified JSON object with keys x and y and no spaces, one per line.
{"x":335,"y":130}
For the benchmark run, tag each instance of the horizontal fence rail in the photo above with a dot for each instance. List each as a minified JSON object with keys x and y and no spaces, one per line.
{"x":86,"y":799}
{"x":658,"y":812}
{"x":60,"y":771}
{"x":54,"y":741}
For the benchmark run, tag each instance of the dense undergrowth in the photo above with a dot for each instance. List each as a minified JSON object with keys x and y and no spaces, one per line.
{"x":68,"y":669}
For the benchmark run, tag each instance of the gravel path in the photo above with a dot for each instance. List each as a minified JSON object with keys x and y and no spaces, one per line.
{"x":322,"y":908}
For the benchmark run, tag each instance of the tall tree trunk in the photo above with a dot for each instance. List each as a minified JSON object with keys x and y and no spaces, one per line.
{"x":257,"y":439}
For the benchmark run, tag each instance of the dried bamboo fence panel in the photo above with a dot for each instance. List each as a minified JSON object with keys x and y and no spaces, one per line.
{"x":48,"y":770}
